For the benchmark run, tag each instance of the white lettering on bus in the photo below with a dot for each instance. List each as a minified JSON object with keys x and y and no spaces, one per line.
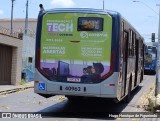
{"x":54,"y":52}
{"x":86,"y":34}
{"x":60,"y":27}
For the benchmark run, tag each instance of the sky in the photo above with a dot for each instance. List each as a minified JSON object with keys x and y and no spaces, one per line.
{"x":142,"y":15}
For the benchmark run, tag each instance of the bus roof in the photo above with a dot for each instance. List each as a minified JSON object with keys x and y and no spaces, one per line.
{"x":85,"y":10}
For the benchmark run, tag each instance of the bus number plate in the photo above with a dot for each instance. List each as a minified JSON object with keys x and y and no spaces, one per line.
{"x":72,"y":88}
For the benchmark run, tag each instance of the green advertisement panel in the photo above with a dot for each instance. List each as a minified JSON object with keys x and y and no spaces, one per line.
{"x":74,"y":41}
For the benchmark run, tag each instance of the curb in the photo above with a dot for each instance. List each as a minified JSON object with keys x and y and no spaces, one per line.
{"x":14,"y":90}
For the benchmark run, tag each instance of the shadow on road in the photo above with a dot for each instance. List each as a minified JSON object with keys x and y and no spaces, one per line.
{"x":90,"y":108}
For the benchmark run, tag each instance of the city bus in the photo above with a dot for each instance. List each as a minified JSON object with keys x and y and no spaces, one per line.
{"x":87,"y":53}
{"x":150,"y":59}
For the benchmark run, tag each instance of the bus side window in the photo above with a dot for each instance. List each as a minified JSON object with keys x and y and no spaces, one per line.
{"x":125,"y":43}
{"x":130,"y":44}
{"x":134,"y":44}
{"x":122,"y":39}
{"x":141,"y":48}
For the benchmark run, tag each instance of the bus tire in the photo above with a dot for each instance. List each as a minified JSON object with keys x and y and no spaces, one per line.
{"x":154,"y":72}
{"x":141,"y":78}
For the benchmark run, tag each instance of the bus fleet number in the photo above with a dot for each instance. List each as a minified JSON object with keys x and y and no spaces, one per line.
{"x":70,"y":88}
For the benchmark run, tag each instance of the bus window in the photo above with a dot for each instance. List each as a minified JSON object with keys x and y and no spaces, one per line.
{"x":130,"y":53}
{"x":125,"y":45}
{"x":90,"y":24}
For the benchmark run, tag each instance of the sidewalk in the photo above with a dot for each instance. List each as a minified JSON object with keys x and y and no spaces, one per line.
{"x":7,"y":89}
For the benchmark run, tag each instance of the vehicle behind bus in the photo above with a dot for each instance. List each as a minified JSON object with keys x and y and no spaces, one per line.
{"x":150,"y":60}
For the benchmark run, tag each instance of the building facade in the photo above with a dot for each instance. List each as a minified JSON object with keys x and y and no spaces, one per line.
{"x":10,"y":59}
{"x":16,"y":50}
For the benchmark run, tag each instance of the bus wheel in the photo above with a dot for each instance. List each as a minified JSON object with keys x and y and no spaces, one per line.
{"x":154,"y":72}
{"x":74,"y":99}
{"x":141,"y":79}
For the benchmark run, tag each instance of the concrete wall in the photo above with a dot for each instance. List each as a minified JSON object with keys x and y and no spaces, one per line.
{"x":19,"y":25}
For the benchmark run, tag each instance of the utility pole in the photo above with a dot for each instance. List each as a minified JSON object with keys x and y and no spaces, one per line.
{"x":103,"y":4}
{"x":12,"y":17}
{"x":26,"y":20}
{"x":157,"y":90}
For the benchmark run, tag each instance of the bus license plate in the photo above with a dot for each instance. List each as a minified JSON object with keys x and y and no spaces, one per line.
{"x":72,"y":89}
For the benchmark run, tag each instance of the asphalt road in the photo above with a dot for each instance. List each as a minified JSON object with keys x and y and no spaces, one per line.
{"x":59,"y":108}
